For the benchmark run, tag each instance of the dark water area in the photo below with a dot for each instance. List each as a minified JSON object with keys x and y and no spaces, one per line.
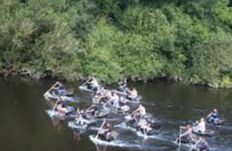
{"x":25,"y":126}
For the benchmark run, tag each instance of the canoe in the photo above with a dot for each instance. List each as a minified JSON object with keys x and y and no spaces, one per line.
{"x":125,"y":95}
{"x":220,"y":121}
{"x":73,"y":125}
{"x":84,"y":127}
{"x":198,"y":145}
{"x":184,"y":140}
{"x":151,"y":120}
{"x":70,"y":99}
{"x":52,"y":97}
{"x":121,"y":110}
{"x":121,"y":93}
{"x":115,"y":143}
{"x":99,"y":141}
{"x":57,"y":115}
{"x":49,"y":96}
{"x":208,"y":132}
{"x":85,"y":88}
{"x":113,"y":135}
{"x":100,"y":114}
{"x":85,"y":121}
{"x":152,"y":134}
{"x":131,"y":102}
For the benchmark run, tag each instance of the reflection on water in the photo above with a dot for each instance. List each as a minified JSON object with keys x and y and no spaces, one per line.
{"x":26,"y":127}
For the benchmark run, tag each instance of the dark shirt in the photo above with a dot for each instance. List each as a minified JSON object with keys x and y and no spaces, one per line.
{"x":214,"y":115}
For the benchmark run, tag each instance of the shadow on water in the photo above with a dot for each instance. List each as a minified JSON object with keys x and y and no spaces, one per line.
{"x":26,"y":127}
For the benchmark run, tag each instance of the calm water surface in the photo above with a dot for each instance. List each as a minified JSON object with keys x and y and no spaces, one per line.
{"x":25,"y":125}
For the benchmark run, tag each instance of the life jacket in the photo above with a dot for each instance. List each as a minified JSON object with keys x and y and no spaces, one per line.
{"x":214,"y":115}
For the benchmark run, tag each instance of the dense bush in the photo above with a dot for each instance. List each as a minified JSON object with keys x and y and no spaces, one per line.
{"x":110,"y":39}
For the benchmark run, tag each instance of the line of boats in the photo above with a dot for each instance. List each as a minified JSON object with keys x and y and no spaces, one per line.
{"x":121,"y":108}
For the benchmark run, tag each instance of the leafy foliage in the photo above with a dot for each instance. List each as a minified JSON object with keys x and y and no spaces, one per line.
{"x":110,"y":39}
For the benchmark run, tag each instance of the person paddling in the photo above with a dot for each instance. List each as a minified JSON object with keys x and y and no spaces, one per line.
{"x":61,"y":107}
{"x":133,"y":94}
{"x":57,"y":89}
{"x":58,"y":85}
{"x":97,"y":98}
{"x":200,"y":127}
{"x":188,"y":135}
{"x":122,"y":85}
{"x":144,"y":126}
{"x":114,"y":100}
{"x":105,"y":131}
{"x":93,"y":110}
{"x":202,"y":145}
{"x":213,"y":117}
{"x":102,"y":97}
{"x":140,"y":111}
{"x":92,"y":84}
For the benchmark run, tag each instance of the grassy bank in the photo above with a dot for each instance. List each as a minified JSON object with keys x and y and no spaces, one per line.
{"x":189,"y":41}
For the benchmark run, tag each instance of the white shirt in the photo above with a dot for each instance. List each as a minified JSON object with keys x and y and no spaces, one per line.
{"x":61,"y":109}
{"x":115,"y":100}
{"x":134,"y":94}
{"x":142,"y":110}
{"x":94,"y":83}
{"x":201,"y":127}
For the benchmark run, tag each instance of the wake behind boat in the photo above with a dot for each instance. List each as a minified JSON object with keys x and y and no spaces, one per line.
{"x":116,"y":143}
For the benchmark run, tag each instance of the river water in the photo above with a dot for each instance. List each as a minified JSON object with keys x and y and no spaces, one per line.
{"x":25,"y":125}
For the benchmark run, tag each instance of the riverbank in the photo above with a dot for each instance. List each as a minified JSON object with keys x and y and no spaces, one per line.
{"x":138,"y":40}
{"x":49,"y":75}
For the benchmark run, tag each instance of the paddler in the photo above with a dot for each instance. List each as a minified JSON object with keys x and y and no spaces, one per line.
{"x":93,"y":109}
{"x":58,"y":88}
{"x":200,"y":126}
{"x":188,"y":135}
{"x":114,"y":100}
{"x":213,"y":116}
{"x":202,"y":145}
{"x":61,"y":107}
{"x":97,"y":98}
{"x":105,"y":132}
{"x":92,"y":84}
{"x":103,"y":96}
{"x":140,"y":111}
{"x":122,"y":85}
{"x":58,"y":85}
{"x":144,"y":126}
{"x":133,"y":94}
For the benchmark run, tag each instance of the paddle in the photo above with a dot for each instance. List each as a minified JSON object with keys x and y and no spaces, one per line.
{"x":195,"y":145}
{"x":207,"y":117}
{"x":181,"y":135}
{"x":79,"y":116}
{"x":87,"y":110}
{"x":54,"y":107}
{"x":78,"y":112}
{"x":86,"y":82}
{"x":179,"y":143}
{"x":103,"y":123}
{"x":57,"y":82}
